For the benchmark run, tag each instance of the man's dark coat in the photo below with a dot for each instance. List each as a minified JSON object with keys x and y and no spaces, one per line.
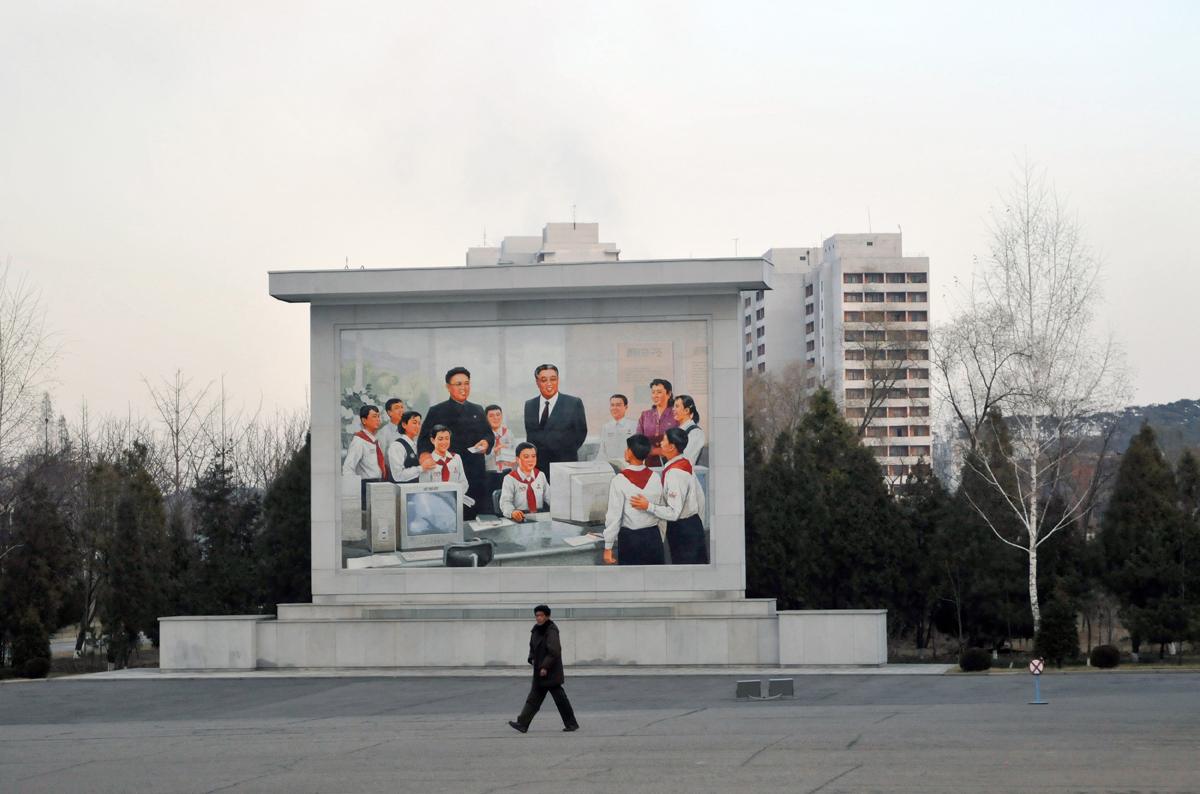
{"x":545,"y":653}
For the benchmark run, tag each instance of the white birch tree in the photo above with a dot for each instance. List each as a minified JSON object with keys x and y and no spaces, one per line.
{"x":1025,"y":344}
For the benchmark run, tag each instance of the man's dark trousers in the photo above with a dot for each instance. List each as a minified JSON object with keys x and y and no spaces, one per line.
{"x":537,"y":694}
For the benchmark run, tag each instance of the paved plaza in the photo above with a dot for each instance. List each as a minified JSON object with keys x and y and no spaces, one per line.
{"x":1119,"y":732}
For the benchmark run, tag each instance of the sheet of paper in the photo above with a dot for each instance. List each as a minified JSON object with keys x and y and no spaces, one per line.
{"x":582,"y":540}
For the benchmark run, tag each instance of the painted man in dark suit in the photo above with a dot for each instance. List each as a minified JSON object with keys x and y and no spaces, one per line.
{"x":468,"y":429}
{"x":554,"y":422}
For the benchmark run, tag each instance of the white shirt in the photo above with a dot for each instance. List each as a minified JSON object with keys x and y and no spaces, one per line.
{"x":361,"y":460}
{"x":621,"y":513}
{"x":612,"y":438}
{"x":388,"y":434}
{"x":514,"y":494}
{"x":395,"y":459}
{"x":500,"y":452}
{"x":682,"y":495}
{"x":457,"y":475}
{"x":696,"y":441}
{"x":542,"y":405}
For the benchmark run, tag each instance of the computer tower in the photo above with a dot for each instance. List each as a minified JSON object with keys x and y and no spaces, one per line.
{"x":382,"y":516}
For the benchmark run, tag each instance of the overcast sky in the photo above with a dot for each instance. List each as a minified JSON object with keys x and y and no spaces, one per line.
{"x":158,"y":158}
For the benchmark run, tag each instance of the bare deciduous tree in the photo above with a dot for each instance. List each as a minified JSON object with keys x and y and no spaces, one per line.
{"x":1025,"y":344}
{"x":27,"y":351}
{"x":775,"y":402}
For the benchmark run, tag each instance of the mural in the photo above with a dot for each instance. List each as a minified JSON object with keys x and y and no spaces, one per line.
{"x":565,"y":444}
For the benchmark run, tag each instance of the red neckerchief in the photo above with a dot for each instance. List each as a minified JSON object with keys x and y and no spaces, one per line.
{"x":529,"y":494}
{"x":378,"y":452}
{"x":639,"y":477}
{"x":680,"y":463}
{"x":445,"y":464}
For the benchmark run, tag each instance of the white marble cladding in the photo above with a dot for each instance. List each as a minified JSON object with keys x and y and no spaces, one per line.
{"x":315,"y":636}
{"x":720,"y":312}
{"x":833,"y":637}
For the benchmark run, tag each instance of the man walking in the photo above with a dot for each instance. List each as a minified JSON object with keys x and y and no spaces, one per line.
{"x":545,"y":654}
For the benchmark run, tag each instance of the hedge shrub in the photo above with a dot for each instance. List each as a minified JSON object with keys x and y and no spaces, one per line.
{"x":37,"y":667}
{"x":1105,"y":656}
{"x":975,"y":659}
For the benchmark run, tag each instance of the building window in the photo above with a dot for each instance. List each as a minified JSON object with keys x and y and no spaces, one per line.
{"x":852,"y":317}
{"x":852,"y":297}
{"x":853,"y":336}
{"x":762,"y":350}
{"x":920,"y":410}
{"x":852,"y":278}
{"x":917,"y":297}
{"x":896,"y":317}
{"x":808,"y":291}
{"x":809,"y":328}
{"x":747,"y":303}
{"x":874,"y":297}
{"x":870,"y":242}
{"x":918,"y":336}
{"x":895,"y":278}
{"x":748,"y":355}
{"x":808,"y":309}
{"x":876,"y":431}
{"x":747,"y":338}
{"x":761,"y":313}
{"x":919,"y":430}
{"x":919,"y":451}
{"x":854,"y":355}
{"x":918,"y":374}
{"x":895,"y":297}
{"x":897,"y":452}
{"x":918,"y":317}
{"x":873,"y":317}
{"x":898,"y":431}
{"x":856,"y":413}
{"x":918,"y":278}
{"x":874,"y":278}
{"x":875,"y":335}
{"x":760,"y":331}
{"x":917,"y":354}
{"x":810,"y":346}
{"x":747,"y":319}
{"x":922,"y":392}
{"x":855,"y":394}
{"x":854,"y":374}
{"x":762,"y":367}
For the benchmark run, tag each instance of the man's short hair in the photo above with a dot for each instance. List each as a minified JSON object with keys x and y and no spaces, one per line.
{"x":492,"y":407}
{"x":408,"y":416}
{"x":365,"y":411}
{"x":639,"y":445}
{"x":678,"y":438}
{"x":666,"y":384}
{"x":524,"y":445}
{"x":620,"y":397}
{"x":450,"y":373}
{"x":387,"y":406}
{"x":433,"y":431}
{"x":538,"y":369}
{"x":690,"y":406}
{"x":545,"y":610}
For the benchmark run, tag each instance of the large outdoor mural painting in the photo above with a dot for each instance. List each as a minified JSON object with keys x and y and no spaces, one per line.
{"x":566,"y":444}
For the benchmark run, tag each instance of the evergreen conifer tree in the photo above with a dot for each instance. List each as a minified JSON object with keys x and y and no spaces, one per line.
{"x":285,"y":544}
{"x":226,"y":520}
{"x":1140,"y":532}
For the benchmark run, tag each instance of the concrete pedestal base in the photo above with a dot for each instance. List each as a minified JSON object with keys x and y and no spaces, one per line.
{"x":736,"y":632}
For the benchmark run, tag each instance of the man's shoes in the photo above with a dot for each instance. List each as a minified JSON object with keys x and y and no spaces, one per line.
{"x":518,"y":726}
{"x":570,"y":729}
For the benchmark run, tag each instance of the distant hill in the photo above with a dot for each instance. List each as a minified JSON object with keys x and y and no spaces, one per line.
{"x":1176,"y":424}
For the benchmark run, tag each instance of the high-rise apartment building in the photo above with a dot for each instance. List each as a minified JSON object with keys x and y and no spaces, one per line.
{"x":854,"y":313}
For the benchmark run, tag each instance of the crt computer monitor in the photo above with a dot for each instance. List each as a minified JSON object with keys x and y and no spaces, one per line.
{"x":430,"y":515}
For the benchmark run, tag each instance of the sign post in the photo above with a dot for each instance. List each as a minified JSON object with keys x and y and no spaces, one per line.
{"x":1036,"y":666}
